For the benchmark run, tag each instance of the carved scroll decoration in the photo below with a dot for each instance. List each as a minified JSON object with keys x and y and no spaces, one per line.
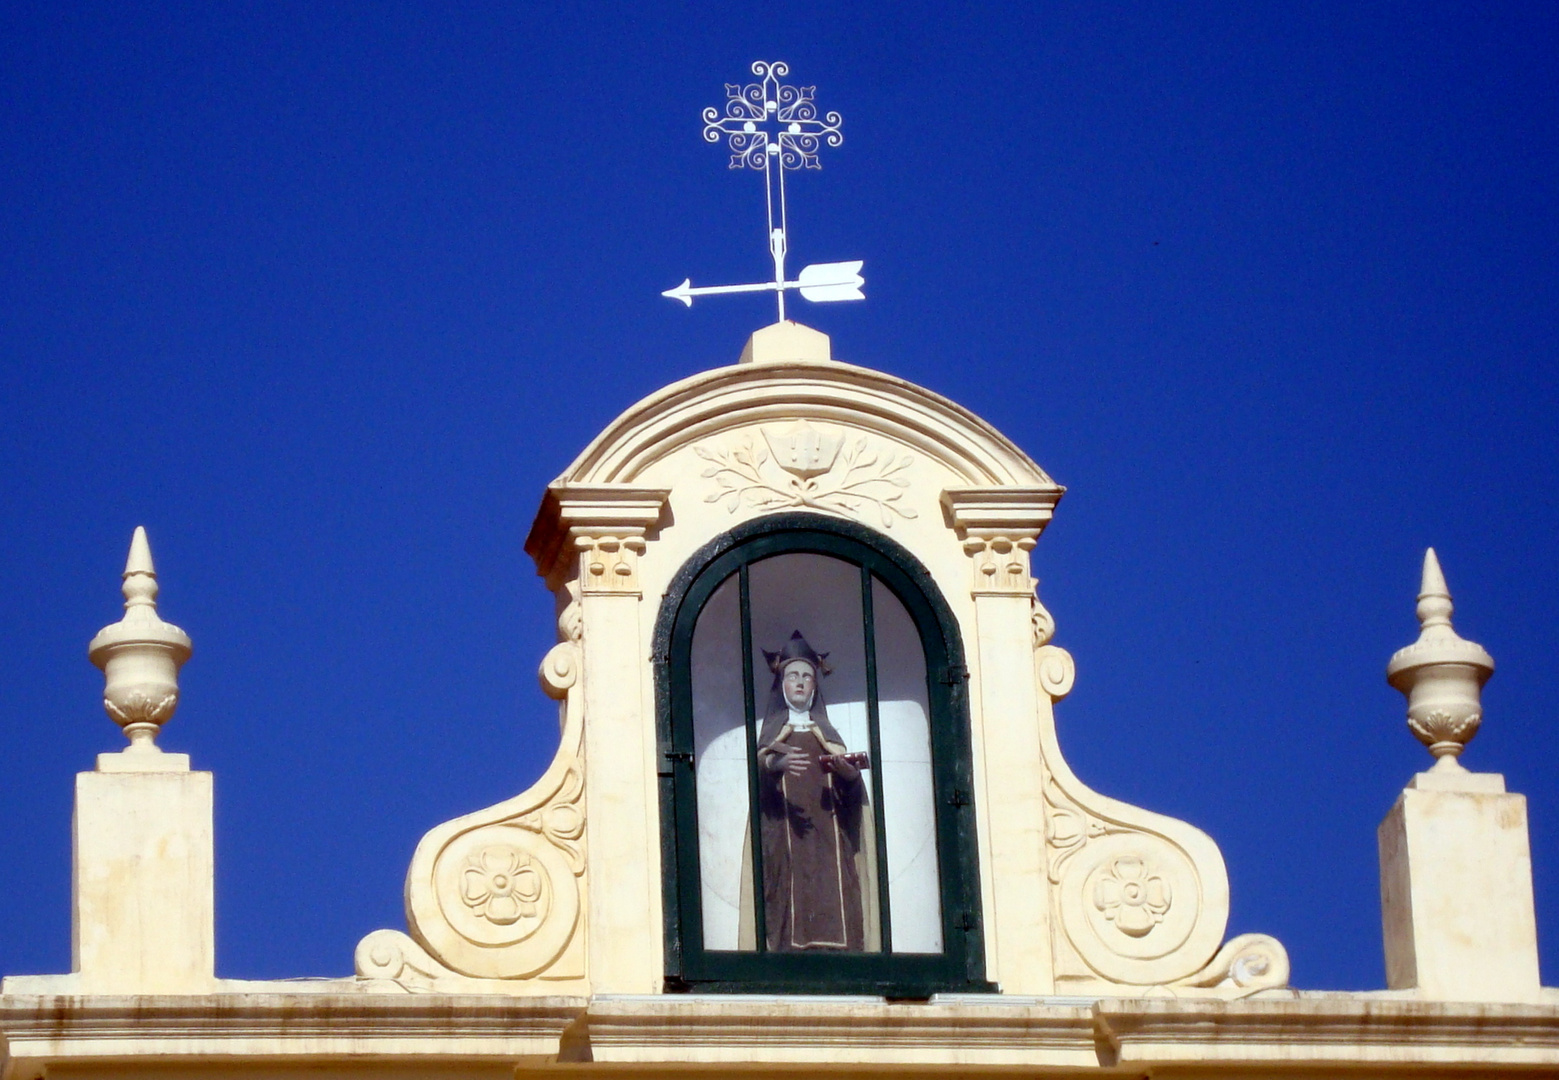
{"x":1141,"y":899}
{"x":807,"y":466}
{"x":499,"y":894}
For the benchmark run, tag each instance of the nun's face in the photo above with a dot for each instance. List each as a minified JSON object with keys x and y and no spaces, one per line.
{"x":800,"y":681}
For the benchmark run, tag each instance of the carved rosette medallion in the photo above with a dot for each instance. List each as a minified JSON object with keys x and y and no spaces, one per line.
{"x":499,"y":894}
{"x":1119,"y":907}
{"x":502,"y":885}
{"x":1126,"y":894}
{"x":812,"y":467}
{"x":505,"y":884}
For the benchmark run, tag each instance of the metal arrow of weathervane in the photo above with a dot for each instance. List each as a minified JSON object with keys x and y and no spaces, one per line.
{"x":775,"y":128}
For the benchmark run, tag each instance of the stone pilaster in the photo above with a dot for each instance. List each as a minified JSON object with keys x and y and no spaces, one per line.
{"x":998,"y":528}
{"x":595,"y":535}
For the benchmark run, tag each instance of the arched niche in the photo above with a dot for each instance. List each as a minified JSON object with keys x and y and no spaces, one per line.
{"x":757,"y":900}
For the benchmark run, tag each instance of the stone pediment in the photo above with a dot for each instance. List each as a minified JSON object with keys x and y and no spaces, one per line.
{"x":565,"y":887}
{"x":705,"y":406}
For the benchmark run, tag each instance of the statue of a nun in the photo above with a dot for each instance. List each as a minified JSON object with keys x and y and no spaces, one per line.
{"x":818,"y":850}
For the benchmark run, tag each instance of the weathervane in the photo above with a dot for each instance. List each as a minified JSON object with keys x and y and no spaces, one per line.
{"x":773,"y":128}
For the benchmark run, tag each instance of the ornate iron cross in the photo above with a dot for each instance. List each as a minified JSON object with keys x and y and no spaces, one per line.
{"x":775,"y":128}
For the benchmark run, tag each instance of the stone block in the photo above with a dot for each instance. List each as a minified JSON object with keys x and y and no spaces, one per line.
{"x":144,"y":877}
{"x":1456,"y":890}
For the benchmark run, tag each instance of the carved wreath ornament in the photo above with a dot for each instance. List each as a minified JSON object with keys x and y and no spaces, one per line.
{"x":808,"y":466}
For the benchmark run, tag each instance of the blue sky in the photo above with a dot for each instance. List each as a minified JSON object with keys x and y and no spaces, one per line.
{"x":324,"y":295}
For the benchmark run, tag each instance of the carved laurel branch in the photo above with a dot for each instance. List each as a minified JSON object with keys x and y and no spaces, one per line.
{"x":862,"y":479}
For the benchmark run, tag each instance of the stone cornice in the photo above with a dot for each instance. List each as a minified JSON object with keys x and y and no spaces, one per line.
{"x":1013,"y":512}
{"x":800,"y":1030}
{"x":37,"y":1031}
{"x":1329,"y":1035}
{"x":570,"y":512}
{"x":1341,"y":1029}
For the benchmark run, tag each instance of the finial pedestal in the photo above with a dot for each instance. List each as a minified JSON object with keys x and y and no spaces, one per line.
{"x":143,"y":862}
{"x":1455,"y":860}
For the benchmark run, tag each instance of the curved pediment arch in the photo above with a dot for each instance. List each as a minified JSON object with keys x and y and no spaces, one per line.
{"x":727,"y":398}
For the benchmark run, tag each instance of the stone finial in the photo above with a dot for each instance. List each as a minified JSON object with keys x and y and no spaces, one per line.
{"x":140,"y":655}
{"x":1442,"y":675}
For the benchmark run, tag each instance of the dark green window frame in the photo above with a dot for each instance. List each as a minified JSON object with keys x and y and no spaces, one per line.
{"x":960,"y":967}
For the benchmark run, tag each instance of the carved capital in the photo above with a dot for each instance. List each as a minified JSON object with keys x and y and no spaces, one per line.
{"x":609,"y":564}
{"x":1001,"y":565}
{"x":999,"y":527}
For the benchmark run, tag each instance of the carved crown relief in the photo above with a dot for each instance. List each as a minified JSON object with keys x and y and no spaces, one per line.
{"x":803,"y":466}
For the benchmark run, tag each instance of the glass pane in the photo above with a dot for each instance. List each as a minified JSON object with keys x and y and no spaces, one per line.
{"x":819,"y":849}
{"x":720,"y":764}
{"x":909,"y":809}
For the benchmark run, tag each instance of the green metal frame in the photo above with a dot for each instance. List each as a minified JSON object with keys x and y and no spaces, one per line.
{"x":960,"y":967}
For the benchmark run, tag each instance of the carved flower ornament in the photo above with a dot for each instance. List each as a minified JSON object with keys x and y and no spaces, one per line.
{"x":1134,"y":900}
{"x":501,"y":885}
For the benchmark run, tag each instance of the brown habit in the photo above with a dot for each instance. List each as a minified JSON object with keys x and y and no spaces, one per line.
{"x":811,"y":827}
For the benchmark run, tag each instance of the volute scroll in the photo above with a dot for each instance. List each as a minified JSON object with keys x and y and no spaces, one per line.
{"x":497,"y":897}
{"x":1141,"y":900}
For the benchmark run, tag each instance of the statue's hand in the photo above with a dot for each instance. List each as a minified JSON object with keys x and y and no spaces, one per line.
{"x":795,"y":762}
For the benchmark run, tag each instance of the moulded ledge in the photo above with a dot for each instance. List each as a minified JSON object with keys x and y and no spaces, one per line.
{"x":1340,"y":1029}
{"x":1325,"y":1035}
{"x":38,"y":1032}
